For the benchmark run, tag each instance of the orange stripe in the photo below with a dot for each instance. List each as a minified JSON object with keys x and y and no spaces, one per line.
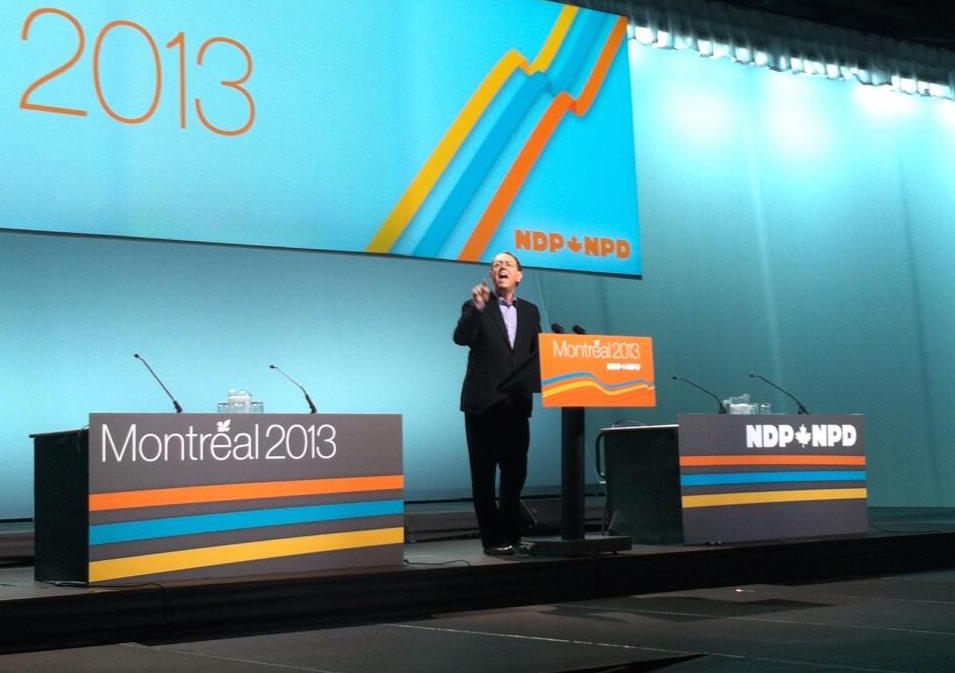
{"x":801,"y":459}
{"x":525,"y":161}
{"x":159,"y":497}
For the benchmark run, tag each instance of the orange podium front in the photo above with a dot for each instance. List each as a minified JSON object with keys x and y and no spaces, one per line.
{"x":579,"y":371}
{"x":594,"y":370}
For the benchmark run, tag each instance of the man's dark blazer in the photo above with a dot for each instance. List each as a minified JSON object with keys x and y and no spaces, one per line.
{"x":491,"y":358}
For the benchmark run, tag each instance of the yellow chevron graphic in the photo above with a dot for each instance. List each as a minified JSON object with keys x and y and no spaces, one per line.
{"x":575,"y":385}
{"x":450,"y":143}
{"x":760,"y":497}
{"x":185,"y":559}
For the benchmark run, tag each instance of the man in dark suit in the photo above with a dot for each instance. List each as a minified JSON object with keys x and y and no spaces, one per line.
{"x":501,"y":332}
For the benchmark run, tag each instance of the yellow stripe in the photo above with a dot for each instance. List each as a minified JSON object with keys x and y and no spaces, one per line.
{"x":760,"y":497}
{"x":186,"y":559}
{"x":428,"y":175}
{"x":563,"y":388}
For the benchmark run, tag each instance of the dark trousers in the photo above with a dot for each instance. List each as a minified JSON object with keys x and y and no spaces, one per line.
{"x":497,"y":440}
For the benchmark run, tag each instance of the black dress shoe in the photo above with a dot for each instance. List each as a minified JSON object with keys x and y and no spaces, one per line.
{"x":500,"y":550}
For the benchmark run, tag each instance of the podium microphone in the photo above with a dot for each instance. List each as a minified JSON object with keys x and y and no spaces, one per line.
{"x":799,"y":406}
{"x":175,"y":404}
{"x":718,"y":400}
{"x":577,"y":329}
{"x":311,"y":405}
{"x":557,"y":328}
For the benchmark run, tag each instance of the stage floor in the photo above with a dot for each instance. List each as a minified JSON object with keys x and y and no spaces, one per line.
{"x":882,"y":624}
{"x":443,"y":577}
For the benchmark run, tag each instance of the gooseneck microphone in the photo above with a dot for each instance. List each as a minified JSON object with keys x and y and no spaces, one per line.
{"x":557,"y":328}
{"x":311,"y":405}
{"x":698,"y":387}
{"x":175,"y":404}
{"x":799,"y":406}
{"x":577,"y":329}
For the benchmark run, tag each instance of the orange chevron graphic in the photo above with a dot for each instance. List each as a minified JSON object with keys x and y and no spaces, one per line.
{"x":426,"y":178}
{"x":504,"y":196}
{"x":590,"y":394}
{"x":554,"y":391}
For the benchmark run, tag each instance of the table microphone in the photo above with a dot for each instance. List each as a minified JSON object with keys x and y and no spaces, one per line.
{"x":698,"y":387}
{"x":577,"y":329}
{"x":799,"y":406}
{"x":311,"y":405}
{"x":557,"y":328}
{"x":174,"y":402}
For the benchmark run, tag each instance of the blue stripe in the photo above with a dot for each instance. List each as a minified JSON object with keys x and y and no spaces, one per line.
{"x":151,"y":529}
{"x":443,"y":224}
{"x":588,"y":375}
{"x":769,"y":477}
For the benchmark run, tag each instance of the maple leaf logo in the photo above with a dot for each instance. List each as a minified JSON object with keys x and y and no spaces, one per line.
{"x":223,"y":426}
{"x":803,"y":436}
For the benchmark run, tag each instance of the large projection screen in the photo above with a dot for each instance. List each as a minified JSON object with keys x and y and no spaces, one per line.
{"x":441,"y":129}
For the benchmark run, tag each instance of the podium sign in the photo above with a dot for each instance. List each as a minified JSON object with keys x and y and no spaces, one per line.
{"x":591,"y":370}
{"x":186,"y":496}
{"x":767,"y":477}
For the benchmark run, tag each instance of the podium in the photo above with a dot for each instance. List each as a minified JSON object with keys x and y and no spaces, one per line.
{"x":576,"y":371}
{"x":150,"y":497}
{"x":771,"y":476}
{"x":641,"y":470}
{"x":737,"y":478}
{"x":60,"y":510}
